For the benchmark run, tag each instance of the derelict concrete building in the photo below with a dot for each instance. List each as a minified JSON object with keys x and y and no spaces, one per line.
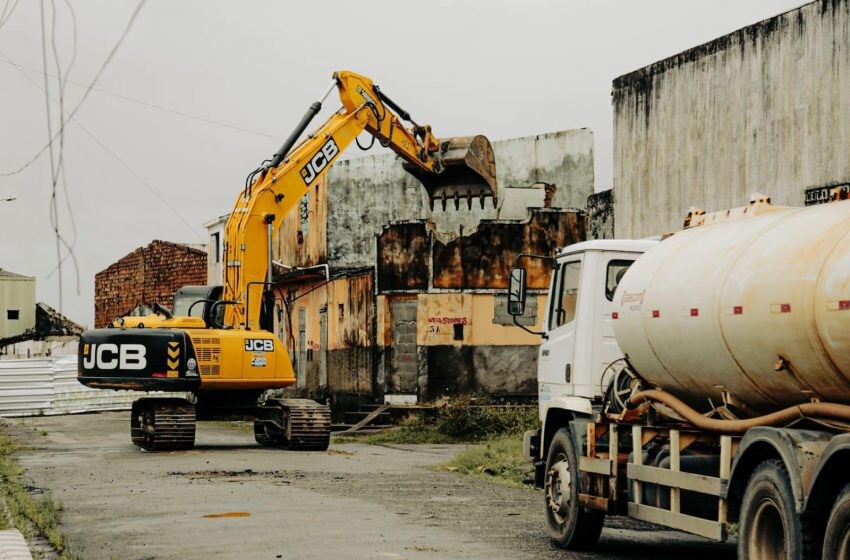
{"x":764,"y":109}
{"x":382,"y":297}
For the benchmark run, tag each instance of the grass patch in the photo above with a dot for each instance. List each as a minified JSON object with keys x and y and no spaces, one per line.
{"x":30,"y":515}
{"x":499,"y":460}
{"x":458,"y":420}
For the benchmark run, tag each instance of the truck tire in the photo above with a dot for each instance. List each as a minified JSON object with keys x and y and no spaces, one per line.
{"x":770,"y":528}
{"x":836,"y":542}
{"x":570,"y":525}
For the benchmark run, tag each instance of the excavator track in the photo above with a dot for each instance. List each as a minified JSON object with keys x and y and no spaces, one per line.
{"x":294,"y":424}
{"x":163,"y":424}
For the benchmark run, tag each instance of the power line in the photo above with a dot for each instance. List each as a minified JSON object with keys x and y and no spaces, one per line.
{"x":123,"y":164}
{"x":5,"y":15}
{"x":87,"y":92}
{"x":154,"y":105}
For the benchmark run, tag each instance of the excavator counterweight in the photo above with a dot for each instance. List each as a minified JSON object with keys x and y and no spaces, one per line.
{"x":468,"y":172}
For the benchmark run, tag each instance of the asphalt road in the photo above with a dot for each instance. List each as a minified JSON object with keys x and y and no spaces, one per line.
{"x":229,"y":498}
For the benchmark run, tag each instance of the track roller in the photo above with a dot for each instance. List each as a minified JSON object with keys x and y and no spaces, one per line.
{"x":163,"y":424}
{"x":294,"y":424}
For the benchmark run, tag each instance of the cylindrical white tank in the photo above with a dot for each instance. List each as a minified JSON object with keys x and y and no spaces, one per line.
{"x":755,"y":305}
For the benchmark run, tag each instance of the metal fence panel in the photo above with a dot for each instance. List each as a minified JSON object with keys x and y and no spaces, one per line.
{"x":49,"y":386}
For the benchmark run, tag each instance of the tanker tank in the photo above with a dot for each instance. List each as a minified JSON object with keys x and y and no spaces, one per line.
{"x":750,"y":308}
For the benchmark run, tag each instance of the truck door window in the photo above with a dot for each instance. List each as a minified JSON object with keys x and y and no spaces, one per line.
{"x":616,"y":270}
{"x":567,"y":296}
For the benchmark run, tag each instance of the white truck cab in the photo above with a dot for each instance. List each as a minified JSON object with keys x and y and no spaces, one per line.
{"x":578,"y":339}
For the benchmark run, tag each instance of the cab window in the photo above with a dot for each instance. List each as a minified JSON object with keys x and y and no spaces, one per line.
{"x":566,"y":297}
{"x":616,"y":270}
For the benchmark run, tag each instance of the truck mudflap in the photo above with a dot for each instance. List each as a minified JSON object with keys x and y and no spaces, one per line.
{"x":137,"y":359}
{"x":531,"y":452}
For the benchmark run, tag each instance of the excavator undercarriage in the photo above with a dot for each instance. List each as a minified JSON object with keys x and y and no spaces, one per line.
{"x":163,"y":424}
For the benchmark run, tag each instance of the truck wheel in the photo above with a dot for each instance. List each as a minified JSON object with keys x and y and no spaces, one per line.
{"x":570,"y":525}
{"x":836,"y":543}
{"x":770,"y":528}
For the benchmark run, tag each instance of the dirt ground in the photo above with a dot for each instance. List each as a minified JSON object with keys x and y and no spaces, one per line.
{"x":229,"y":498}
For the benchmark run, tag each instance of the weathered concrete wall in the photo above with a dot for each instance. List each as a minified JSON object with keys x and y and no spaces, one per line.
{"x":412,"y":256}
{"x":435,"y":344}
{"x":368,"y":192}
{"x":333,"y":350}
{"x":600,"y":215}
{"x":766,"y":109}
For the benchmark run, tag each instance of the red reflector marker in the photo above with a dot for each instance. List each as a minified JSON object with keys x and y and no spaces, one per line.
{"x":844,"y":304}
{"x":656,"y":314}
{"x":738,"y":310}
{"x":785,"y":308}
{"x":695,"y":312}
{"x":158,"y":374}
{"x":615,"y":315}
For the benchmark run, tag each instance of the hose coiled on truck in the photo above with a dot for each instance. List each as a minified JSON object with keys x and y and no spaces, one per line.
{"x":811,"y":410}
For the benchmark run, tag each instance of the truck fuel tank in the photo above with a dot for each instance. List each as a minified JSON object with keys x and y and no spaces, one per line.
{"x":750,"y":308}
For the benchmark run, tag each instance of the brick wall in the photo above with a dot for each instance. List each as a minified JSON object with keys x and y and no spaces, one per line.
{"x":147,"y":275}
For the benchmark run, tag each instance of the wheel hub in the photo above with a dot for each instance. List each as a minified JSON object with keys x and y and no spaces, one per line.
{"x":767,"y":538}
{"x":558,"y":487}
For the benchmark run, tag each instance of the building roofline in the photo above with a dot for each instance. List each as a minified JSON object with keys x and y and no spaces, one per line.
{"x":637,"y":79}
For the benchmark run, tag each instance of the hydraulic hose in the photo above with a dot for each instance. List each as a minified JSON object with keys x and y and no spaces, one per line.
{"x":813,"y":410}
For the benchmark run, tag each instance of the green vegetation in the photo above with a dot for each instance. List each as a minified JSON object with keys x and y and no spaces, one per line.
{"x":459,"y":420}
{"x":495,"y":430}
{"x":499,"y":460}
{"x":30,"y":515}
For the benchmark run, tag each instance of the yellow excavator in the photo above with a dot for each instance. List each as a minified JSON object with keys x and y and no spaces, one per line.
{"x":216,"y":342}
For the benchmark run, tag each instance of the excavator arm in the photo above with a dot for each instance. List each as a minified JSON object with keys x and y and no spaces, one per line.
{"x":449,"y":169}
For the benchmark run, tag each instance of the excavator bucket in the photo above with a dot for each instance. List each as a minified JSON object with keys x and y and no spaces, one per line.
{"x":469,"y":172}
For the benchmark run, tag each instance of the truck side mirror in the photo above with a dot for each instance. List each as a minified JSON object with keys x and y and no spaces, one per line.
{"x":516,"y":292}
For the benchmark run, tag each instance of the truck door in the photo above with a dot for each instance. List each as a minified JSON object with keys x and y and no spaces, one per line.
{"x":605,"y":347}
{"x":557,"y":352}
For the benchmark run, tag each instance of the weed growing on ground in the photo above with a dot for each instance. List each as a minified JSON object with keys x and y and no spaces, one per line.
{"x":28,"y":514}
{"x":499,"y":459}
{"x":459,"y":420}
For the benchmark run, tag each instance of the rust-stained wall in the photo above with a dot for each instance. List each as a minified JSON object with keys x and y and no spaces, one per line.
{"x":484,"y":258}
{"x":348,"y":305}
{"x":763,"y":109}
{"x":411,"y":256}
{"x":303,"y":235}
{"x":403,"y":256}
{"x":460,"y":346}
{"x":367,"y":193}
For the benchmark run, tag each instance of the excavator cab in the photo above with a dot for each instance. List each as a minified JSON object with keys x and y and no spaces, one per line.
{"x":468,"y":172}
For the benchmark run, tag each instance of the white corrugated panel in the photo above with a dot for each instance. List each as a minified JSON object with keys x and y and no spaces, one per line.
{"x":49,"y":386}
{"x":13,"y":546}
{"x":26,"y":386}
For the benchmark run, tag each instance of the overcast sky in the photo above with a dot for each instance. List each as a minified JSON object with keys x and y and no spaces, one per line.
{"x":498,"y":68}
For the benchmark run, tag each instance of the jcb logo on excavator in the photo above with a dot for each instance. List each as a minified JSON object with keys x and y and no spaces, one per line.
{"x":319,"y":161}
{"x":115,"y":356}
{"x":259,"y":345}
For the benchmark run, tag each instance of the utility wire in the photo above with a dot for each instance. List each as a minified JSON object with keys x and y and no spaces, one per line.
{"x":153,"y":105}
{"x":54,"y":218}
{"x":97,"y":76}
{"x":7,"y":13}
{"x":121,"y":162}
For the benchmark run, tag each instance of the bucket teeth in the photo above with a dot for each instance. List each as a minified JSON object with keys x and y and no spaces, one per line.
{"x":468,"y":171}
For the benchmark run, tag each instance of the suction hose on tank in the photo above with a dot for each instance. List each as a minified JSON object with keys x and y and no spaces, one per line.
{"x":812,"y":410}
